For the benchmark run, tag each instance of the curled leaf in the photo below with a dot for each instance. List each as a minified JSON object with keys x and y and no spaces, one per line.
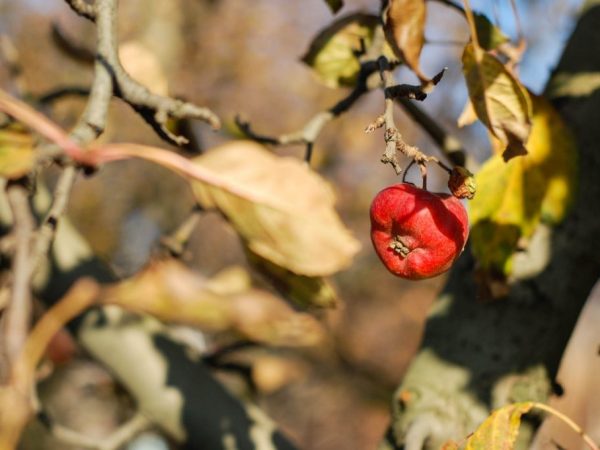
{"x":499,"y":431}
{"x":462,"y":183}
{"x":499,"y":99}
{"x":333,"y":53}
{"x":283,"y":211}
{"x":404,"y":26}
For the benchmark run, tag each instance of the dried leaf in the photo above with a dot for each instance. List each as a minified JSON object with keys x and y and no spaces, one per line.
{"x":499,"y":99}
{"x":488,"y":35}
{"x":335,"y":5}
{"x":404,"y":26}
{"x":17,"y":157}
{"x":512,"y":198}
{"x":282,"y":209}
{"x":499,"y":431}
{"x":303,"y":290}
{"x":333,"y":53}
{"x":173,"y":293}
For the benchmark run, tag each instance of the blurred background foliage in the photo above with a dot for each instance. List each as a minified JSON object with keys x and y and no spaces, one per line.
{"x":244,"y":58}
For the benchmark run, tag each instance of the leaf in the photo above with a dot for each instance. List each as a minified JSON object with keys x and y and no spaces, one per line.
{"x":499,"y":431}
{"x":488,"y":35}
{"x":514,"y":197}
{"x":282,"y":210}
{"x":173,"y":293}
{"x":335,"y":5}
{"x":499,"y":99}
{"x":17,"y":157}
{"x":333,"y":53}
{"x":468,"y":115}
{"x":404,"y":26}
{"x":142,"y":64}
{"x":305,"y":291}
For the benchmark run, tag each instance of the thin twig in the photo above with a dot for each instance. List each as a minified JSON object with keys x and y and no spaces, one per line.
{"x":393,"y":138}
{"x":450,"y":146}
{"x":176,"y":241}
{"x":308,"y":134}
{"x":17,"y":316}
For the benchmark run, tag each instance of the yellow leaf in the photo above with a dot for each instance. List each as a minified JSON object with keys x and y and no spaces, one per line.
{"x":16,"y":152}
{"x":404,"y":26}
{"x":333,"y":53}
{"x":488,"y":35}
{"x":499,"y":431}
{"x":282,"y":210}
{"x":173,"y":293}
{"x":499,"y":100}
{"x":513,"y":197}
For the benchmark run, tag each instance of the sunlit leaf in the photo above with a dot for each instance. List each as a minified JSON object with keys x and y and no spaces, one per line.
{"x":404,"y":26}
{"x":16,"y":152}
{"x":512,"y":198}
{"x":333,"y":54}
{"x":468,"y":115}
{"x":173,"y":293}
{"x":488,"y":35}
{"x":303,"y":290}
{"x":283,"y":211}
{"x":335,"y":5}
{"x":499,"y":99}
{"x":499,"y":431}
{"x":142,"y":64}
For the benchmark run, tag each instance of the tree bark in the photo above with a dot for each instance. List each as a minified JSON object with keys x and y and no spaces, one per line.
{"x":476,"y":356}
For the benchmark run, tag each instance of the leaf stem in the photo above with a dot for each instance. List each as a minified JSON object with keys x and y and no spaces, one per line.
{"x":568,"y":421}
{"x":471,"y":20}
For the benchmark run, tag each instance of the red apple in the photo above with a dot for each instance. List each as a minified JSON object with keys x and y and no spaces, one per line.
{"x":417,"y":234}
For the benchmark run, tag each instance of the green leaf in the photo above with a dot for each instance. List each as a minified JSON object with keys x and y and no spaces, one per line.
{"x":499,"y":431}
{"x":283,"y":211}
{"x":514,"y":197}
{"x":499,"y":100}
{"x":303,"y":290}
{"x":333,"y":53}
{"x":16,"y":152}
{"x":488,"y":35}
{"x":404,"y":26}
{"x":335,"y":5}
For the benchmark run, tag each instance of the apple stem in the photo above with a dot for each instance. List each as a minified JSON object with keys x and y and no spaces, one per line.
{"x":412,"y":163}
{"x":423,"y":169}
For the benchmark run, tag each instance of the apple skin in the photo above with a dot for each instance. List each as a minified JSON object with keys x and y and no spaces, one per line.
{"x":417,"y":234}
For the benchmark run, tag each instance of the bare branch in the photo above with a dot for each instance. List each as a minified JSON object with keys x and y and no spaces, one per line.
{"x":17,"y":316}
{"x":392,"y":136}
{"x":450,"y":146}
{"x":308,"y":134}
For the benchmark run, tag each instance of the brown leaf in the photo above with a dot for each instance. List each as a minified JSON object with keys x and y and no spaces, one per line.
{"x":499,"y":431}
{"x":404,"y":26}
{"x":499,"y":99}
{"x":16,"y":152}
